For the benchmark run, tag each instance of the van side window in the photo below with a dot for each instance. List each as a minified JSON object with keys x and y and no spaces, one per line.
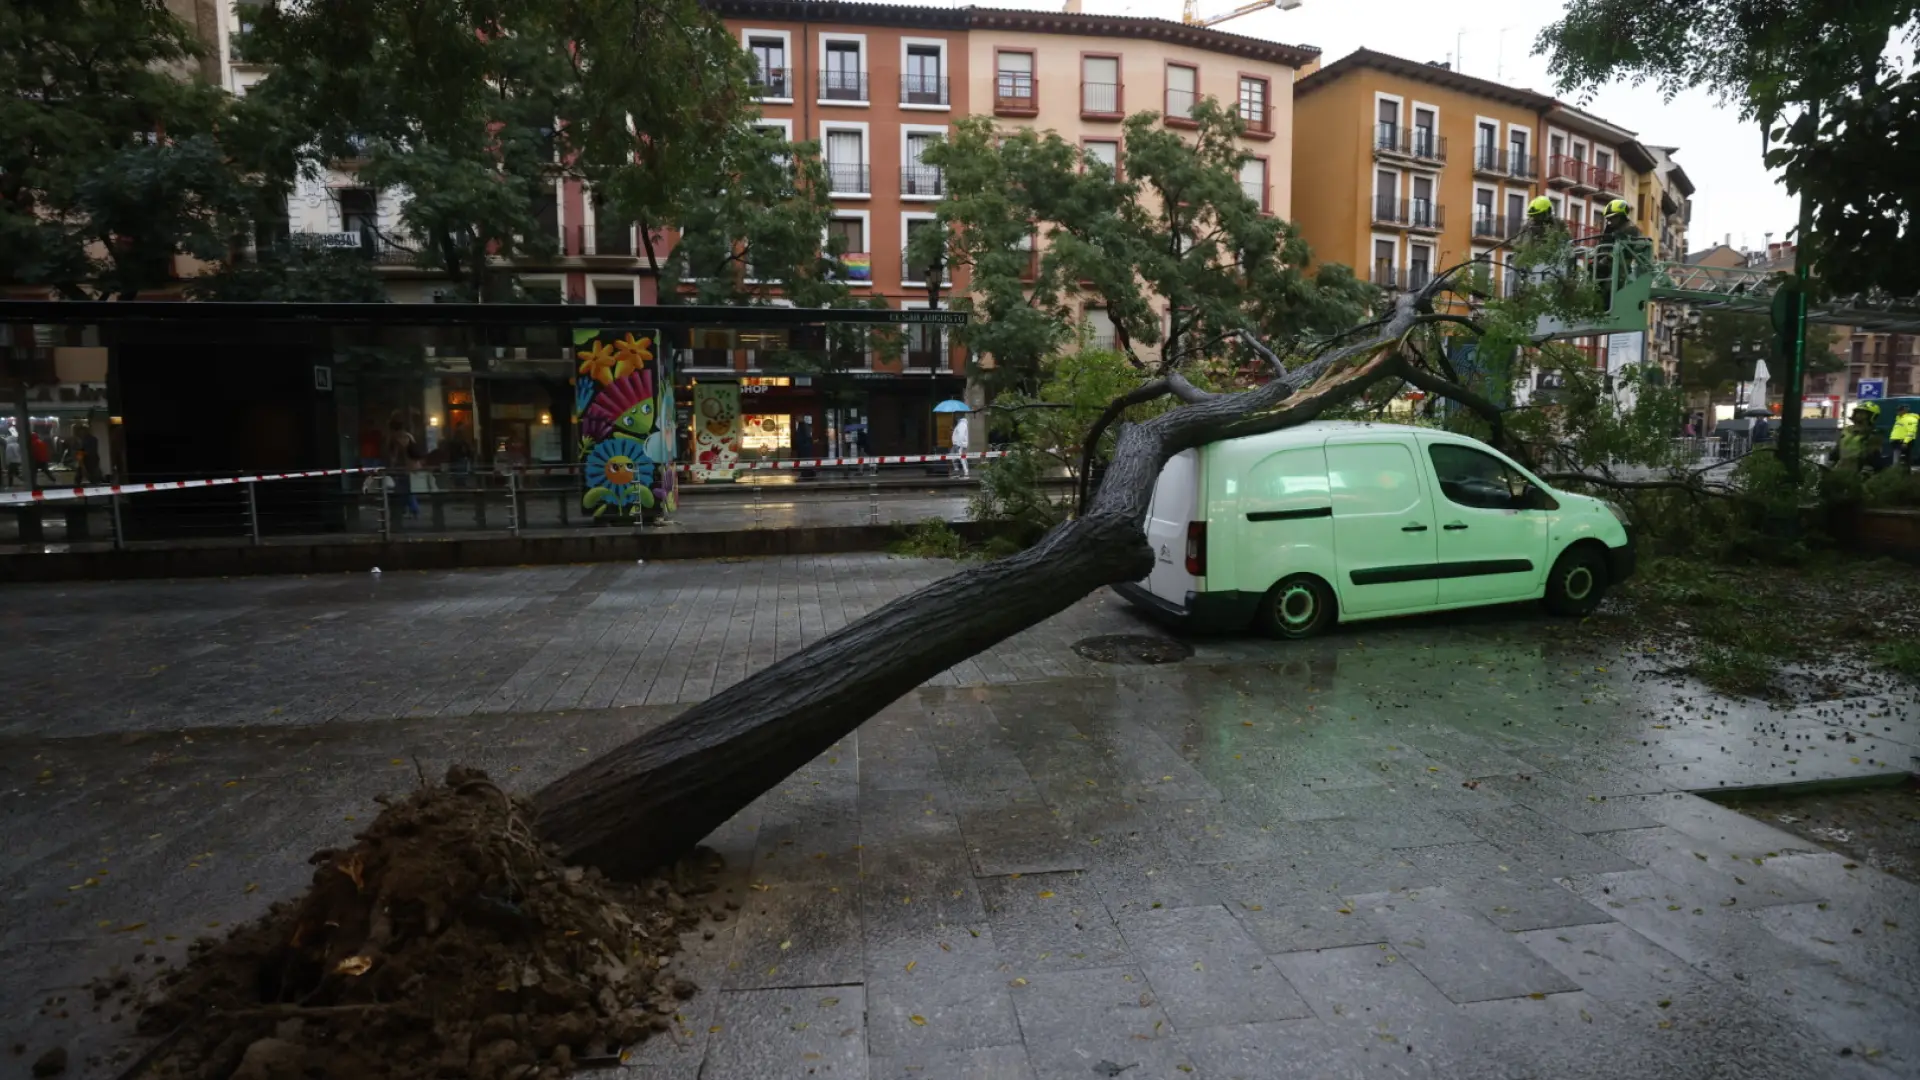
{"x":1469,"y":477}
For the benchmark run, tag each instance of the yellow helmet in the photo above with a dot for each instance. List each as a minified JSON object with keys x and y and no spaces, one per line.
{"x":1867,"y":407}
{"x":1540,"y":207}
{"x":1618,"y":208}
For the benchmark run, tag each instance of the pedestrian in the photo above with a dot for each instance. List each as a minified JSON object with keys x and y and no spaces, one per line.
{"x":401,"y":452}
{"x":1762,"y":431}
{"x":960,"y":436}
{"x":37,"y":446}
{"x":1859,"y":446}
{"x":13,"y":457}
{"x":87,"y":457}
{"x":1906,"y":429}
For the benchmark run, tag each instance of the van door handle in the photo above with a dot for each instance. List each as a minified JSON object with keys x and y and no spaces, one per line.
{"x":1455,"y":525}
{"x":1413,"y":528}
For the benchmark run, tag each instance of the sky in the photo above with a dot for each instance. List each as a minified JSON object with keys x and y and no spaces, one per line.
{"x":1733,"y":192}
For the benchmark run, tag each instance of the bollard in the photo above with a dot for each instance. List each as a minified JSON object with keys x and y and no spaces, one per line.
{"x":873,"y":504}
{"x":513,"y":503}
{"x":253,"y":514}
{"x":119,"y":536}
{"x":756,"y":506}
{"x":386,"y":511}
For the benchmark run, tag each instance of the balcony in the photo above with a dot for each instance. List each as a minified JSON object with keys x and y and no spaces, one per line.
{"x":1409,"y":144}
{"x":922,"y":181}
{"x":1567,"y":172}
{"x":911,"y":274}
{"x":843,"y":86}
{"x":1497,"y":226}
{"x":848,"y":179}
{"x":773,"y":84}
{"x":1180,"y":105}
{"x":923,"y":90}
{"x":1384,"y":276}
{"x":1502,"y":164}
{"x":1605,"y":180}
{"x":1258,"y":120}
{"x":1015,"y":94}
{"x":1417,"y":276}
{"x":605,"y":241}
{"x":1100,"y":99}
{"x":1418,"y":215}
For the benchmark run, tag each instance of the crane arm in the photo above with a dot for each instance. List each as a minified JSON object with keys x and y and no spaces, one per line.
{"x":1192,"y":14}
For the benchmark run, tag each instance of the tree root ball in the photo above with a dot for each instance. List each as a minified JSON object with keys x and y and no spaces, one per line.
{"x":448,"y":941}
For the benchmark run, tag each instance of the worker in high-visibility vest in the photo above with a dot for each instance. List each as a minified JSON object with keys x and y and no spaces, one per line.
{"x":1906,"y":428}
{"x":1860,"y":442}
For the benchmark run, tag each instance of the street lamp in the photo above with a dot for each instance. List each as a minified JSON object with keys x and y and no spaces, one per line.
{"x":1680,"y":320}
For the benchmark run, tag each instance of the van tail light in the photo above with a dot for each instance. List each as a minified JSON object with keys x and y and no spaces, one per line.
{"x":1197,"y":548}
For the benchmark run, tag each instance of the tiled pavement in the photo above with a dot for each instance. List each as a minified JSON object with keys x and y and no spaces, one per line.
{"x":1443,"y":848}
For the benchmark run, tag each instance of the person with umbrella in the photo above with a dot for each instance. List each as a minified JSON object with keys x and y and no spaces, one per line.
{"x":961,"y":435}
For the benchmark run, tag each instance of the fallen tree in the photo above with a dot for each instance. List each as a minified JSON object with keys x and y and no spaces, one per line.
{"x":651,"y":799}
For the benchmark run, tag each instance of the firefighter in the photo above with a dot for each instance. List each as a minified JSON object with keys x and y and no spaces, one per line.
{"x":1541,"y":223}
{"x":1859,"y":446}
{"x":1618,"y":229}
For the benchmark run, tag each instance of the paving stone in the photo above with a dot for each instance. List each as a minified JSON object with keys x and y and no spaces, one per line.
{"x":1364,"y":984}
{"x":1052,"y":922}
{"x":984,"y":1063}
{"x":815,"y":1031}
{"x":796,"y":935}
{"x":1073,"y":1021}
{"x":1320,"y":1049}
{"x":1543,"y":845}
{"x":1023,"y":839}
{"x":1569,"y":805}
{"x":1462,"y":953}
{"x":1719,"y":941}
{"x":1511,"y":896}
{"x":1705,"y":869}
{"x":1205,"y":970}
{"x":1283,"y":922}
{"x":946,"y":990}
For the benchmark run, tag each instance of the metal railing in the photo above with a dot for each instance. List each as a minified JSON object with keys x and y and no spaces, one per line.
{"x":1257,"y":117}
{"x":848,"y":179}
{"x":922,"y":180}
{"x":1495,"y":161}
{"x":1409,"y":213}
{"x":1100,"y":97}
{"x":1015,"y":92}
{"x":1497,"y":226}
{"x":605,"y":241}
{"x":1565,"y":168}
{"x":1180,"y":104}
{"x":1605,"y":179}
{"x":1386,"y":277}
{"x":923,"y":90}
{"x":843,"y":86}
{"x":1418,"y":143}
{"x":773,"y":83}
{"x":917,"y":274}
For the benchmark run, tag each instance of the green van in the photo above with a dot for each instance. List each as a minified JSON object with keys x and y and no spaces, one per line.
{"x":1290,"y":532}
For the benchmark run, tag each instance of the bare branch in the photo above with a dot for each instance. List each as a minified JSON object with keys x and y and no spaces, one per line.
{"x":1260,"y":349}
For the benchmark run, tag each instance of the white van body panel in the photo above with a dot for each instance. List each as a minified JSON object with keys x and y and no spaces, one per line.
{"x":1396,"y":519}
{"x":1176,"y":503}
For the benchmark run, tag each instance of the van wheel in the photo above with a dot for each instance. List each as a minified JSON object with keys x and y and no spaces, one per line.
{"x":1298,"y":607}
{"x":1578,"y":582}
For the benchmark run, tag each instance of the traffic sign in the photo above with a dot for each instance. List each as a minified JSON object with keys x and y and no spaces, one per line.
{"x":1873,"y":389}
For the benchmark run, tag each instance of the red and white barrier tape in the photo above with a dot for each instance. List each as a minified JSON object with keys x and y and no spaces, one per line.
{"x":51,"y":494}
{"x":836,"y":462}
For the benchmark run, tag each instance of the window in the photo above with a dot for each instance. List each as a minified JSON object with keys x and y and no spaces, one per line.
{"x":1371,"y":478}
{"x":1183,"y":85}
{"x":909,"y":271}
{"x":1383,"y":263}
{"x":847,"y":241}
{"x":1253,"y":181}
{"x":1387,"y":117}
{"x":847,"y":162}
{"x":1470,"y":477}
{"x":1425,"y":144}
{"x":1100,"y":328}
{"x":1486,"y":146}
{"x":1104,"y":151}
{"x":924,"y":82}
{"x":1386,"y":195}
{"x":1516,"y":211}
{"x":1100,"y":85}
{"x":1603,"y":160}
{"x":1419,"y":265}
{"x":845,"y":77}
{"x":1253,"y":105}
{"x":359,"y":211}
{"x":1013,"y":87}
{"x":1517,"y":161}
{"x":926,"y":346}
{"x":770,"y":66}
{"x":1422,"y":208}
{"x":916,"y":177}
{"x":611,"y":292}
{"x":611,"y":235}
{"x":1483,"y":223}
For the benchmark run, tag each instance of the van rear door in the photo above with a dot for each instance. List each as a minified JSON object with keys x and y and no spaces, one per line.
{"x":1176,"y":503}
{"x":1384,"y":542}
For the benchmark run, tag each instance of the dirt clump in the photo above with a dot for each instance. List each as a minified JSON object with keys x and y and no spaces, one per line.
{"x":446,"y":942}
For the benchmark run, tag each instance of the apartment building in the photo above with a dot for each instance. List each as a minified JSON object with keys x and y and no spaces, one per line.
{"x":1402,"y":168}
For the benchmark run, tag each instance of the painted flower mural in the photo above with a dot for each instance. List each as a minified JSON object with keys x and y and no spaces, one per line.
{"x":623,"y":401}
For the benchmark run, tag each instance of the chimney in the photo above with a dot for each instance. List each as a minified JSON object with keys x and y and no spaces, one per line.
{"x":1728,"y":242}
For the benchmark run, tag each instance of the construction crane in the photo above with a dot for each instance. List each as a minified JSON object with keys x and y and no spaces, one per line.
{"x":1192,"y":15}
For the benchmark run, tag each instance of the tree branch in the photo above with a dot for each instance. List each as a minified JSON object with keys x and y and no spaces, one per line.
{"x":1272,"y":358}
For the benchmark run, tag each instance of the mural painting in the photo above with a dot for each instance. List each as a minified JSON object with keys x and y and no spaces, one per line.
{"x":623,"y":404}
{"x":716,"y":429}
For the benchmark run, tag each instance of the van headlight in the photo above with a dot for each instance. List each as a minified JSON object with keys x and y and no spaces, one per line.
{"x":1619,"y":512}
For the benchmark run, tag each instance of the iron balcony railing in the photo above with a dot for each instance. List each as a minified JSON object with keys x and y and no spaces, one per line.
{"x":1497,"y":226}
{"x":922,"y":180}
{"x":1495,"y":161}
{"x":1605,"y":179}
{"x":1419,"y":143}
{"x":917,"y":273}
{"x":848,"y":179}
{"x":923,"y":90}
{"x":1566,"y":169}
{"x":1409,"y":213}
{"x":773,"y":83}
{"x":1099,"y":97}
{"x":843,"y":86}
{"x":1385,"y":276}
{"x":1015,"y":93}
{"x":1180,"y":104}
{"x":1257,"y":117}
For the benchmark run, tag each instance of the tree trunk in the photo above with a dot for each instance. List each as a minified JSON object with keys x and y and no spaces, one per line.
{"x":653,"y":798}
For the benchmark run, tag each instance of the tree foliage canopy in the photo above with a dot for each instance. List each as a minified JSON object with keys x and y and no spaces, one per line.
{"x":1044,"y":230}
{"x":1835,"y":86}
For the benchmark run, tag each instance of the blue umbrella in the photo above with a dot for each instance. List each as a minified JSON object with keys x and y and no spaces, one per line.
{"x":952,"y":405}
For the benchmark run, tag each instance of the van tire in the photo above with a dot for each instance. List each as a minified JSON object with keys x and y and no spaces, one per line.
{"x":1578,"y":582}
{"x":1297,"y":607}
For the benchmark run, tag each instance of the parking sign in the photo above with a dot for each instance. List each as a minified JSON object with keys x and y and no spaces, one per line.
{"x":1872,"y":389}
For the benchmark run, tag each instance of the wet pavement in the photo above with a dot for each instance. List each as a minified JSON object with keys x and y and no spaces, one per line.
{"x":1459,"y":846}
